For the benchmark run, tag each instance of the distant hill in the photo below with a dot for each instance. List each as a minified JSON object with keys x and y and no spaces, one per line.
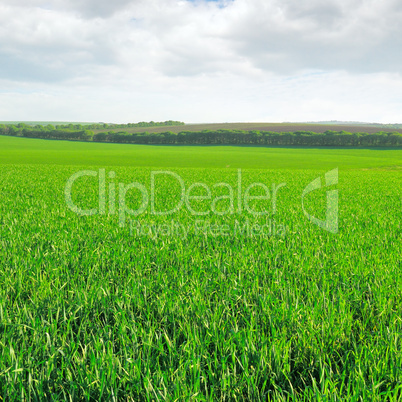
{"x":46,"y":123}
{"x":275,"y":127}
{"x":179,"y":133}
{"x":318,"y":127}
{"x":355,"y":123}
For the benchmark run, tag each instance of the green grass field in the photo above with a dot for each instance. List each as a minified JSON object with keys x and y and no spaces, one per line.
{"x":228,"y":305}
{"x":33,"y":151}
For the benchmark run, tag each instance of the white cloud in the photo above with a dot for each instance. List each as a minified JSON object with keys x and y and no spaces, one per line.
{"x":200,"y":61}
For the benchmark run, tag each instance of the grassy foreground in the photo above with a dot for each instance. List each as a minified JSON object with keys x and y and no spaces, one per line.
{"x":93,"y":310}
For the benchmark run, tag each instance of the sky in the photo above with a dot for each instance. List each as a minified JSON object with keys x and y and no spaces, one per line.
{"x":201,"y":61}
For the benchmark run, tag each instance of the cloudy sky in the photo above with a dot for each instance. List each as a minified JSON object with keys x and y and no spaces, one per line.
{"x":201,"y":61}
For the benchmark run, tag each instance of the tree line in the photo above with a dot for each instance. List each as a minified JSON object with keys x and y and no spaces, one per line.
{"x":208,"y":137}
{"x":88,"y":126}
{"x":239,"y":137}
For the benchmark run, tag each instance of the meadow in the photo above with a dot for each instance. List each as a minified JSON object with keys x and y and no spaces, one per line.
{"x":225,"y":305}
{"x":33,"y":151}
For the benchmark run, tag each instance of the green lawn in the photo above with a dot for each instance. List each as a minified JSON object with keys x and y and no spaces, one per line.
{"x":176,"y":307}
{"x":33,"y":151}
